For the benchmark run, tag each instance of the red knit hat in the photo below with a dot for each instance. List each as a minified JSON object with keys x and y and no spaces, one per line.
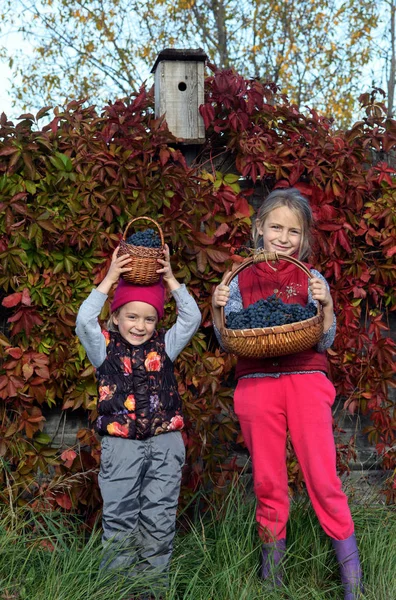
{"x":151,"y":294}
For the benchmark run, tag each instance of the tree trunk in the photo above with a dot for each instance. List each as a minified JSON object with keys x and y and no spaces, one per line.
{"x":221,"y":26}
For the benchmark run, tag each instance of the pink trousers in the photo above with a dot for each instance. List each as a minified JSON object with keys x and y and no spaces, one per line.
{"x":267,"y":407}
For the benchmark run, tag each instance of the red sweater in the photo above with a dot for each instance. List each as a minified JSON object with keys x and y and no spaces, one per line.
{"x":289,"y":283}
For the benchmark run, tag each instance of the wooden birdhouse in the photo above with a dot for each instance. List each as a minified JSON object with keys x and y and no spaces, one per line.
{"x":179,"y":91}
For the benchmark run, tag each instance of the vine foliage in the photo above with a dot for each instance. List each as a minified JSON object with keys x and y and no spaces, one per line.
{"x":67,"y":190}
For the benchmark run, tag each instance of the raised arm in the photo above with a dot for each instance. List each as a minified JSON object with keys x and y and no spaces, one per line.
{"x":88,"y":328}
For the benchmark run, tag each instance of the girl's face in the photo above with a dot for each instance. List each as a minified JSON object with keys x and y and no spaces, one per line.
{"x":282,"y":231}
{"x":136,"y":322}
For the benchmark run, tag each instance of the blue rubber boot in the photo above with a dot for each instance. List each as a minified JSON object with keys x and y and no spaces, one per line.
{"x":351,"y":573}
{"x":271,"y":561}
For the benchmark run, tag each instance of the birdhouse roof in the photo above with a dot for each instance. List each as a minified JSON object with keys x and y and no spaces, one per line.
{"x":181,"y":54}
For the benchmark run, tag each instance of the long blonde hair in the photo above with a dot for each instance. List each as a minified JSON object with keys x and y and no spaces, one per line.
{"x":298,"y":204}
{"x":111,"y":326}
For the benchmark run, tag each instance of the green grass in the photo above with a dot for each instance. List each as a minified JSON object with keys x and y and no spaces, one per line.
{"x":215,"y":558}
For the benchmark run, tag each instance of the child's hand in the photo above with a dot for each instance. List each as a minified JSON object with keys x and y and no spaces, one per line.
{"x":220,"y":298}
{"x":166,"y":270}
{"x":119,"y":264}
{"x":320,"y":291}
{"x":220,"y":295}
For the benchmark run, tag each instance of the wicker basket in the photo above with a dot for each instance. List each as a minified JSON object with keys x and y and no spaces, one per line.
{"x":271,"y":341}
{"x":143,"y":261}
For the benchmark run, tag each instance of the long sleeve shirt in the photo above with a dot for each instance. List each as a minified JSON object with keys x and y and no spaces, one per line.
{"x":177,"y":337}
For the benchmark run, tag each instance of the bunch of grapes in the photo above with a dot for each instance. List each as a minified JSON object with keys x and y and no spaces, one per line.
{"x":148,"y":238}
{"x":269,"y":313}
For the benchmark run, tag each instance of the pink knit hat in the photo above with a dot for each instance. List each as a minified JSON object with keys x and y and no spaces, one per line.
{"x":151,"y":294}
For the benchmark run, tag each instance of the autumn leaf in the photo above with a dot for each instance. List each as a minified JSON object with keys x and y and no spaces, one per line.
{"x":25,"y":319}
{"x":218,"y":256}
{"x":224,"y":228}
{"x":27,"y":371}
{"x":15,"y":352}
{"x":203,"y":238}
{"x":64,"y":501}
{"x":68,"y":457}
{"x":12,"y":300}
{"x":242,"y":208}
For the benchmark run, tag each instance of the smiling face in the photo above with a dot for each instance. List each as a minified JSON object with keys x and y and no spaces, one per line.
{"x":281,"y":231}
{"x":136,"y":322}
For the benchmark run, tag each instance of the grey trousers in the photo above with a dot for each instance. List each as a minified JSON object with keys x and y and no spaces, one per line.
{"x":140,"y":484}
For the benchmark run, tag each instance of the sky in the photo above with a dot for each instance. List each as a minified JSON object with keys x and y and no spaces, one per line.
{"x":14,"y":41}
{"x":5,"y":100}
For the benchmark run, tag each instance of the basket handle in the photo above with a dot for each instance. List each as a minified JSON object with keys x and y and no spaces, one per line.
{"x":257,"y":257}
{"x":124,"y":235}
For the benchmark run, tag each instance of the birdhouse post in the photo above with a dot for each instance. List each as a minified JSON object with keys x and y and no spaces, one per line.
{"x":179,"y":91}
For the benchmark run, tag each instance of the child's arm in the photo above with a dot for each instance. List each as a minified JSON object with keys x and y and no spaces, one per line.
{"x":88,"y":328}
{"x":187,"y":322}
{"x":220,"y":298}
{"x":188,"y":317}
{"x":319,"y":290}
{"x":229,"y":297}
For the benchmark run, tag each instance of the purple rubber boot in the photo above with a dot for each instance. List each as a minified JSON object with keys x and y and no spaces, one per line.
{"x":351,"y":573}
{"x":271,"y":559}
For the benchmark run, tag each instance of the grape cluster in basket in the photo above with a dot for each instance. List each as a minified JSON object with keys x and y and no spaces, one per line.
{"x":269,"y":313}
{"x":148,"y":238}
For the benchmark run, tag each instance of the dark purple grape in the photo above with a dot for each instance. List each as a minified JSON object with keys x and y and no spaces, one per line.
{"x":269,"y":313}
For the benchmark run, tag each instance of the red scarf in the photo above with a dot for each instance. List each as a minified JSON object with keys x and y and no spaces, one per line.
{"x":281,"y":278}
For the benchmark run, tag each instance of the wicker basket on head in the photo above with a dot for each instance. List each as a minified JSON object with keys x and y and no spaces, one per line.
{"x":143,"y":261}
{"x":271,"y":341}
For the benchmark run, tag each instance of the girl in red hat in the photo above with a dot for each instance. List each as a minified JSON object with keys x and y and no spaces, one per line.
{"x":139,"y":416}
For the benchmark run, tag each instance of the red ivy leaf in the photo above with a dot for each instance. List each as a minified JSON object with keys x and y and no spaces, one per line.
{"x":224,"y":228}
{"x":207,"y":113}
{"x":328,"y":226}
{"x":64,"y":501}
{"x":203,"y":238}
{"x":27,"y":371}
{"x":242,"y":208}
{"x":26,"y":300}
{"x":385,"y":172}
{"x":164,"y":155}
{"x":343,"y":240}
{"x":15,"y":352}
{"x":12,"y":300}
{"x":68,"y":457}
{"x":25,"y":319}
{"x":218,"y":256}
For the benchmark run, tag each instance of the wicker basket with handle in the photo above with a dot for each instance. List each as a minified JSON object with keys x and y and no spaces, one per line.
{"x":143,"y":261}
{"x":271,"y":341}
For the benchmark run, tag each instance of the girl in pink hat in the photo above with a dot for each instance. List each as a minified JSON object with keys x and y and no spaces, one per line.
{"x":139,"y":416}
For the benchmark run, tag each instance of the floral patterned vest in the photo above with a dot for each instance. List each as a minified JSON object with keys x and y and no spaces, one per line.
{"x":138,"y":395}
